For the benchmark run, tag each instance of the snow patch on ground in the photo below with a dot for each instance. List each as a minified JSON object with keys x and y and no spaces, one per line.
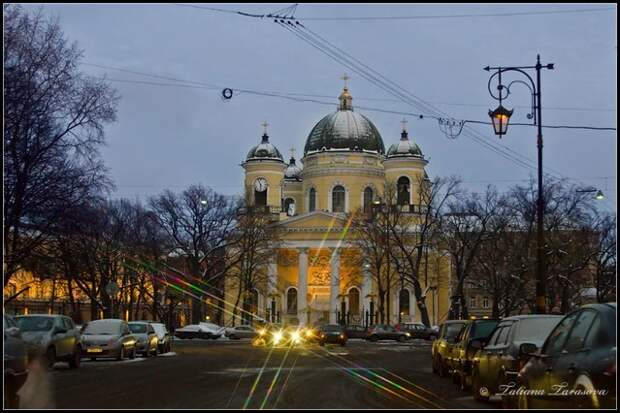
{"x":170,"y":354}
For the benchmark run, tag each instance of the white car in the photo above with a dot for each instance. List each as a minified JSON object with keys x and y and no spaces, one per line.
{"x":200,"y":331}
{"x":164,"y":342}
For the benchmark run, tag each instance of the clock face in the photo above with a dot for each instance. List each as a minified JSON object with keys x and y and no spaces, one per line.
{"x":260,"y":184}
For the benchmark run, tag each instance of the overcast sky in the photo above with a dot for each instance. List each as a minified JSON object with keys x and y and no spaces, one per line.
{"x":173,"y":136}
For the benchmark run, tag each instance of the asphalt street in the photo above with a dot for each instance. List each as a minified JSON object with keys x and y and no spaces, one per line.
{"x":235,"y":374}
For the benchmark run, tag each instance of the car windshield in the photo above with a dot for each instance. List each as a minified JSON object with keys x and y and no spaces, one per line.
{"x":453,"y":329}
{"x":137,"y":328}
{"x":35,"y":323}
{"x":104,"y":328}
{"x":484,"y":328}
{"x":331,"y":328}
{"x":536,"y":329}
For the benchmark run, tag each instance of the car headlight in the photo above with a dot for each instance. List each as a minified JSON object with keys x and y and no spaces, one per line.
{"x":277,"y":336}
{"x":296,"y":336}
{"x":262,"y":332}
{"x":408,"y":334}
{"x":309,"y":333}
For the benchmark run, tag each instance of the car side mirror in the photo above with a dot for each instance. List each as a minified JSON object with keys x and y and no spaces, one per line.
{"x":528,"y":349}
{"x":13,"y":332}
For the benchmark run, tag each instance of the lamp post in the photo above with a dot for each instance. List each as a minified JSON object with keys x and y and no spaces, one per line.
{"x":501,"y":118}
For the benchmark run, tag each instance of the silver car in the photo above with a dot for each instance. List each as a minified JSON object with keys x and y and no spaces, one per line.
{"x":53,"y":336}
{"x":15,"y":362}
{"x":164,"y":341}
{"x":108,"y":338}
{"x":146,"y":338}
{"x":238,"y":332}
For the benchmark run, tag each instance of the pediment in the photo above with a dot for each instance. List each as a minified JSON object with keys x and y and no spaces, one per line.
{"x":315,"y":219}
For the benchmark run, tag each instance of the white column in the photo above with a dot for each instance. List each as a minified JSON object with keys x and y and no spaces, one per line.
{"x":334,"y":286}
{"x":302,"y":287}
{"x":366,"y":290}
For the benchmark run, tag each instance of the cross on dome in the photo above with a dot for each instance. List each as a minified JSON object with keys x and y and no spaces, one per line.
{"x":345,"y":77}
{"x":404,"y":123}
{"x":264,"y":125}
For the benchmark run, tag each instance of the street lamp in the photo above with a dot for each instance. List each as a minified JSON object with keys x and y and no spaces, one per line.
{"x":500,"y":118}
{"x":599,"y":194}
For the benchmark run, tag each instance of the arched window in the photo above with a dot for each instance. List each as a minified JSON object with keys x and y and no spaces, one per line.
{"x":403,"y":302}
{"x":354,"y":301}
{"x":291,"y":301}
{"x":368,"y":200}
{"x":287,"y":203}
{"x":403,"y":190}
{"x":312,"y":200}
{"x":338,"y":199}
{"x":260,"y":198}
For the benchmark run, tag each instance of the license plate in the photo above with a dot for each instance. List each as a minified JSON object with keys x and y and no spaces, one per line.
{"x":94,"y":350}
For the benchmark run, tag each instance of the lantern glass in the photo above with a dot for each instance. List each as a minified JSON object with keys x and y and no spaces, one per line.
{"x":500,"y":118}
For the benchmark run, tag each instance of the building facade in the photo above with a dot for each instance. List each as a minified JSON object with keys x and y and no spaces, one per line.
{"x":316,"y":275}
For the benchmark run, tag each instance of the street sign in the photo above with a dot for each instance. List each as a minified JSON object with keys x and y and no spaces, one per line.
{"x":112,"y":288}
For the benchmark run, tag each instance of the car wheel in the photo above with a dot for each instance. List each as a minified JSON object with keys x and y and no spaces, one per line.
{"x":475,"y":388}
{"x":74,"y":361}
{"x":373,"y":339}
{"x":343,"y":343}
{"x":10,"y":396}
{"x":155,"y":351}
{"x":121,"y":353}
{"x":50,"y":355}
{"x":232,"y":337}
{"x":402,"y":338}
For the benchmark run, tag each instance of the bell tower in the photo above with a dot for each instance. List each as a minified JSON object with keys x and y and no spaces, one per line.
{"x":264,"y":174}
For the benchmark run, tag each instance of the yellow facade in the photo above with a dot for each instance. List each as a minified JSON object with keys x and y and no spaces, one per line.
{"x":317,"y":271}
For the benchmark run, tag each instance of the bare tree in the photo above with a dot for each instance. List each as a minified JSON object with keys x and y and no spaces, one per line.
{"x":467,"y":223}
{"x":253,"y":245}
{"x":53,"y":128}
{"x":199,"y":223}
{"x":415,"y":231}
{"x":605,"y":259}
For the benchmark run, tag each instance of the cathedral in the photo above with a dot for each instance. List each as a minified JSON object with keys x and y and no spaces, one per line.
{"x":313,"y":277}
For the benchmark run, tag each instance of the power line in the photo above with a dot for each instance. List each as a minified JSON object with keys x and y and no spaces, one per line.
{"x":452,"y":16}
{"x":288,"y":95}
{"x":419,"y":17}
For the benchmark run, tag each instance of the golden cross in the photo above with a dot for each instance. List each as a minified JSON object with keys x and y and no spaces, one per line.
{"x":265,"y":124}
{"x":345,"y":78}
{"x":292,"y":152}
{"x":404,"y":123}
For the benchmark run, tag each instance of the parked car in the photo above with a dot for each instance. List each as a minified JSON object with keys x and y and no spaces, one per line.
{"x":576,"y":367}
{"x":108,"y":337}
{"x":146,"y":338}
{"x":164,"y":341}
{"x":15,"y":362}
{"x":442,"y":347}
{"x":239,"y":332}
{"x":498,"y":361}
{"x":54,"y":337}
{"x":418,"y":330}
{"x":199,"y":331}
{"x":462,"y":355}
{"x":385,"y":332}
{"x":332,"y":333}
{"x":355,"y":331}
